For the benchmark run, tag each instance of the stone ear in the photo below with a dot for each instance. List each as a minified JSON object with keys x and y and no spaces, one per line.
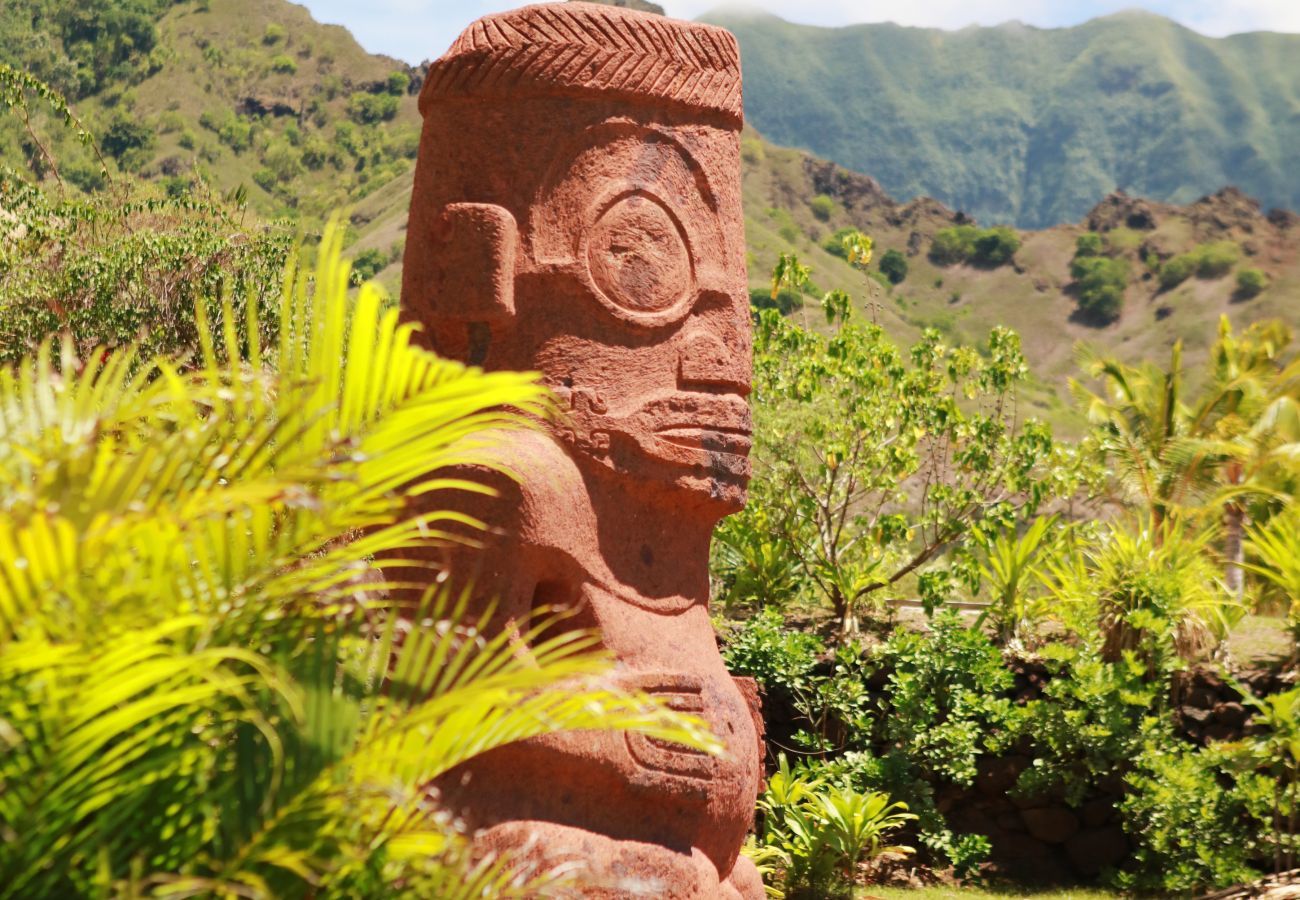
{"x":474,"y":245}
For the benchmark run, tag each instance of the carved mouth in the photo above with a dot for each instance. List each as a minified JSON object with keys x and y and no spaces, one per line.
{"x":711,"y":438}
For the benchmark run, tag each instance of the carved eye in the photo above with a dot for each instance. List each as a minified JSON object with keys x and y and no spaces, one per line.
{"x":638,"y":257}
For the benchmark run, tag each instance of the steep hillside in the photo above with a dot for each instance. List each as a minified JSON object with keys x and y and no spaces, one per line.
{"x":215,"y":103}
{"x":1032,"y":126}
{"x":250,"y":95}
{"x":1036,"y":292}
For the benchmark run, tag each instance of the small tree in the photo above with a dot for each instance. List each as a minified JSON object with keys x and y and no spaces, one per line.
{"x":871,"y":464}
{"x":1101,"y":282}
{"x":894,"y":266}
{"x":995,"y":247}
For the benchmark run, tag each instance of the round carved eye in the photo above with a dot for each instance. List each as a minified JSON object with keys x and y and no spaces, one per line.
{"x":638,"y":257}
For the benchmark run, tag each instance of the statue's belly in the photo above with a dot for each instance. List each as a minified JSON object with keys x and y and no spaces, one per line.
{"x":630,"y":786}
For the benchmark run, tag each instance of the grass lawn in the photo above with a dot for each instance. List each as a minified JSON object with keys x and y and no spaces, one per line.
{"x":940,"y":892}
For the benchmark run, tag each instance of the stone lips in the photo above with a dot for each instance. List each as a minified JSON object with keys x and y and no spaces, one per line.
{"x":582,"y":48}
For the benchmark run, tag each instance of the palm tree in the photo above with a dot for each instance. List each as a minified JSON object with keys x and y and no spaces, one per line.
{"x":1182,"y":453}
{"x":203,"y":688}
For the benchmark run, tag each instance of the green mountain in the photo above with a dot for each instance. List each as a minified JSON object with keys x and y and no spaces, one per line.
{"x":1032,"y":126}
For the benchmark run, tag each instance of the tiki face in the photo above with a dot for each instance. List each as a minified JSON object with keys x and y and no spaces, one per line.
{"x":566,"y":223}
{"x":638,"y":300}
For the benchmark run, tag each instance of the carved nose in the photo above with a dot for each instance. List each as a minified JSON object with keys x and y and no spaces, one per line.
{"x":705,"y":361}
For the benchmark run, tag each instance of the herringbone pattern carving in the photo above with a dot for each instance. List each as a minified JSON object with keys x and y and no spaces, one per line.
{"x":592,"y":48}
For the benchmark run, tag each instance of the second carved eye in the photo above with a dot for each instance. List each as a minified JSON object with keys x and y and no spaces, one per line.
{"x":638,"y":257}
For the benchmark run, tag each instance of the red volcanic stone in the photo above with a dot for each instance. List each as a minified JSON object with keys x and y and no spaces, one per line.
{"x":577,"y":212}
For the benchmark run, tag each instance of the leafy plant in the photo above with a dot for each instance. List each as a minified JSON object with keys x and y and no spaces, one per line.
{"x":818,"y":831}
{"x":1100,"y":283}
{"x":1189,"y":830}
{"x":201,"y":686}
{"x":1275,"y":546}
{"x":867,"y":465}
{"x":1156,"y":597}
{"x":1010,"y":568}
{"x":1275,"y":748}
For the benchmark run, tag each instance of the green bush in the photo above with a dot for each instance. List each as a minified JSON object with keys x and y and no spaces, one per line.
{"x":1215,"y":260}
{"x":284,"y":64}
{"x":995,"y":247}
{"x":822,"y":206}
{"x":834,"y":243}
{"x":764,"y":649}
{"x":127,"y":265}
{"x":1250,"y":283}
{"x":894,"y":266}
{"x":1088,"y":244}
{"x":1175,"y":270}
{"x":366,"y":265}
{"x":274,"y":34}
{"x":126,"y":135}
{"x":786,"y":301}
{"x":1190,"y":832}
{"x":988,"y":247}
{"x":370,"y":109}
{"x":236,"y":132}
{"x":816,"y":832}
{"x":954,"y":245}
{"x":398,"y":83}
{"x":1101,"y":283}
{"x":1206,"y":261}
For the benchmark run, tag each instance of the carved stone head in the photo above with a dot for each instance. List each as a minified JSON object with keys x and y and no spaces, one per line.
{"x":577,"y":211}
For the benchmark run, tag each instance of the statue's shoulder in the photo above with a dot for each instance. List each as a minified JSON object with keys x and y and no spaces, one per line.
{"x":535,"y":487}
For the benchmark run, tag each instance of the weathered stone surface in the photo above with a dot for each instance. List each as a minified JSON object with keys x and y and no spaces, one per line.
{"x":996,"y":775}
{"x":1095,"y":849}
{"x":577,"y":212}
{"x":1052,"y":825}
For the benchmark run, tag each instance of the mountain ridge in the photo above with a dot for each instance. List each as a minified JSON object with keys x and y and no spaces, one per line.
{"x":339,"y":129}
{"x":1030,"y":126}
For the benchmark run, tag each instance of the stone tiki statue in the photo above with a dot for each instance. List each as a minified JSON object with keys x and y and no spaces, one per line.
{"x":577,"y":212}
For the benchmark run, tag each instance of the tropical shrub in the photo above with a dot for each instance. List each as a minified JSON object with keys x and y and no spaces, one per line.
{"x":1010,"y":569}
{"x":1156,"y":597}
{"x":850,"y":436}
{"x":954,"y":245}
{"x":817,"y":832}
{"x":1190,"y":832}
{"x":128,"y":266}
{"x":201,"y":689}
{"x":1175,"y":270}
{"x":1275,"y":548}
{"x":995,"y":247}
{"x":1088,"y":244}
{"x":1216,"y":259}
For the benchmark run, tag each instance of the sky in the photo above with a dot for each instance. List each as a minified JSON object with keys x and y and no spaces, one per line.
{"x":415,"y":30}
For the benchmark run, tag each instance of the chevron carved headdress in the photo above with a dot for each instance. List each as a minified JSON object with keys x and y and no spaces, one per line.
{"x":583,"y":48}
